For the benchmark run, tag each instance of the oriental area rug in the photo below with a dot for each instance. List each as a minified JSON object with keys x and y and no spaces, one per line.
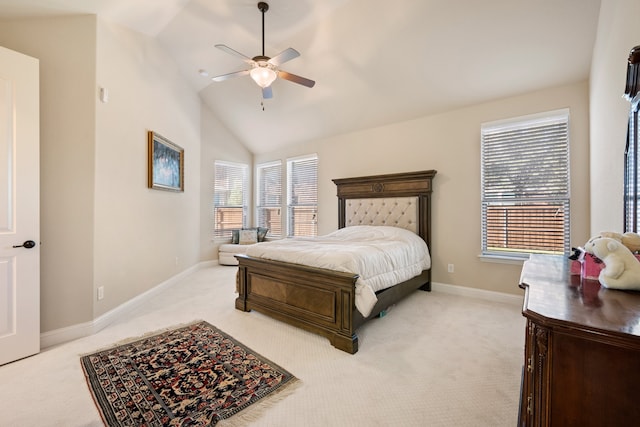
{"x":195,"y":375}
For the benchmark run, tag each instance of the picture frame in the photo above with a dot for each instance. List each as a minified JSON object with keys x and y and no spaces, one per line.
{"x":166,"y":164}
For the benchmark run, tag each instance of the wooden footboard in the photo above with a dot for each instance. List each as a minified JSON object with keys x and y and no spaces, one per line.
{"x":315,"y":299}
{"x":318,"y":300}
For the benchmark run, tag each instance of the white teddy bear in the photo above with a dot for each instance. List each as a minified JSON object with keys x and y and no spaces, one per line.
{"x":622,"y":269}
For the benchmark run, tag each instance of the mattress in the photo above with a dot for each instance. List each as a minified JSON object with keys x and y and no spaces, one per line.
{"x":382,"y":256}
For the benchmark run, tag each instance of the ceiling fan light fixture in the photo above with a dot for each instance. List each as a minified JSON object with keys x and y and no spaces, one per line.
{"x":263,"y":75}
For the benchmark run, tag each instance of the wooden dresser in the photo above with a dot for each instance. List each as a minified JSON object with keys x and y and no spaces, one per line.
{"x":582,"y":349}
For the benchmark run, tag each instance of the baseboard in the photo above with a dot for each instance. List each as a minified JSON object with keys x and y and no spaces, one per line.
{"x":477,"y":293}
{"x":70,"y":333}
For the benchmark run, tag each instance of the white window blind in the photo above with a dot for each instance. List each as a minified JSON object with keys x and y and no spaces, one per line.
{"x":302,"y":196}
{"x":631,"y":175}
{"x":632,"y":150}
{"x":269,"y":197}
{"x":525,"y":185}
{"x":230,"y":201}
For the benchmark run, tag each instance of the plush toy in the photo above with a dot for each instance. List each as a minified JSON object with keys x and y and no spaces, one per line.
{"x":621,"y":270}
{"x":630,"y":240}
{"x":577,"y":254}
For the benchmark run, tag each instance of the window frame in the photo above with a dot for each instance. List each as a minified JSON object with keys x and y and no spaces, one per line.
{"x":503,"y":171}
{"x":261,"y":204}
{"x":631,"y":191}
{"x":290,"y":227}
{"x":226,"y":233}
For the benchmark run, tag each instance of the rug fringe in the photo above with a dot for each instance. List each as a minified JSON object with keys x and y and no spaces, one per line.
{"x":256,"y":410}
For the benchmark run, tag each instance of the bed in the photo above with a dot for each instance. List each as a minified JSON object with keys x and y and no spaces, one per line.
{"x":321,"y":300}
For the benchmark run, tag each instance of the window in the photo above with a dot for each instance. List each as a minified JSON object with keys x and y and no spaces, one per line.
{"x":631,"y":178}
{"x":269,"y":197}
{"x":302,"y":196}
{"x":525,"y":185}
{"x":230,"y":198}
{"x":632,"y":151}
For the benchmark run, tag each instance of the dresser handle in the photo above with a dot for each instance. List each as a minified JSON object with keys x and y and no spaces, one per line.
{"x":529,"y":408}
{"x":529,"y":365}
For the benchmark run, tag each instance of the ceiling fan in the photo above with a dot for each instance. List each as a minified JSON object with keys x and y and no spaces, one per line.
{"x":264,"y":70}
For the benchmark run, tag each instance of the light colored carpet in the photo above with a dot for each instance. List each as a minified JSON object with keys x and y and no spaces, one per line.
{"x":435,"y":360}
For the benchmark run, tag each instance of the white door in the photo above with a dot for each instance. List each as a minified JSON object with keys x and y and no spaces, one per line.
{"x":19,"y":206}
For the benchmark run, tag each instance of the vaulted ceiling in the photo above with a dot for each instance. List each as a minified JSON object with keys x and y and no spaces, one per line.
{"x":374,"y":62}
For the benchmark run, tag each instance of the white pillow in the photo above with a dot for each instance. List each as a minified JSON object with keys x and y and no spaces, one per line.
{"x":248,"y":237}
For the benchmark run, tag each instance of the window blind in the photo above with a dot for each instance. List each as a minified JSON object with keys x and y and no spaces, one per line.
{"x":230,"y":201}
{"x":302,"y":196}
{"x":632,"y":151}
{"x":269,"y":197}
{"x":525,"y":185}
{"x":631,"y":176}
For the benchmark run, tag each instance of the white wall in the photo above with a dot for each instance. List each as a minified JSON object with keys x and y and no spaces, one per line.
{"x":450,"y":143}
{"x":618,"y":32}
{"x":66,"y":50}
{"x":140,"y":232}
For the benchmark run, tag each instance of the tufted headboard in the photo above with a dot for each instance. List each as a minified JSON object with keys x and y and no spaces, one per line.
{"x":397,"y":212}
{"x":401,"y":200}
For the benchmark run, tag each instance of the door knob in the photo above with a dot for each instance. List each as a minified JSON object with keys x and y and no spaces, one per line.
{"x":27,"y":244}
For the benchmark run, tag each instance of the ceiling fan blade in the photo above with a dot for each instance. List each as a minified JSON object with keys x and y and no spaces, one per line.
{"x":284,"y":56}
{"x":230,"y":75}
{"x":296,"y":79}
{"x":267,"y":93}
{"x":234,"y":52}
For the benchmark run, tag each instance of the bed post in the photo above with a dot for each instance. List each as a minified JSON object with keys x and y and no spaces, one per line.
{"x":241,"y":287}
{"x":424,"y":226}
{"x":342,"y":211}
{"x":345,"y":343}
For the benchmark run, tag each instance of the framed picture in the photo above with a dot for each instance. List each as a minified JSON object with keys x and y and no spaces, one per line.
{"x":166,"y":164}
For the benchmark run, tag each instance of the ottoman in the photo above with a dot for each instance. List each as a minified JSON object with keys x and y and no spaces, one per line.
{"x":227,"y":251}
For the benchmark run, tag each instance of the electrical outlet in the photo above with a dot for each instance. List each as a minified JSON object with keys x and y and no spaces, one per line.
{"x":100,"y":292}
{"x":450,"y":268}
{"x":177,"y":259}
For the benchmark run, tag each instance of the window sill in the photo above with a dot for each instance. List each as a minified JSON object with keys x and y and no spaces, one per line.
{"x":503,"y":259}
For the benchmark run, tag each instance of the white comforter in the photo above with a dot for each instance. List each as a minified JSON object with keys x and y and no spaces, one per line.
{"x":382,"y":256}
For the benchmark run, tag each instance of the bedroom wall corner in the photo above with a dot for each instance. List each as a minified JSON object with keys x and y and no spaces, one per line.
{"x":218,"y":143}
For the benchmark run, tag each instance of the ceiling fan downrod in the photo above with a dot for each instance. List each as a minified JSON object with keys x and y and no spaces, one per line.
{"x":263,"y":7}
